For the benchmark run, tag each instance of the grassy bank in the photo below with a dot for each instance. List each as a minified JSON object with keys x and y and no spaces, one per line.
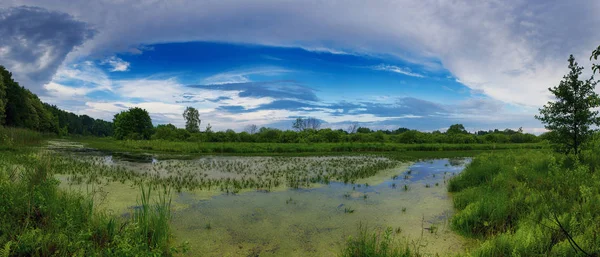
{"x":530,"y":203}
{"x":38,"y":219}
{"x":16,"y":138}
{"x":170,"y":147}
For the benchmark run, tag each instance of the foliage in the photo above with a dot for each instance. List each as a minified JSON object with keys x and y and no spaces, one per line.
{"x":171,"y":133}
{"x":192,"y":119}
{"x":134,"y":123}
{"x":515,"y":201}
{"x":23,"y":109}
{"x":80,"y":124}
{"x":572,"y":114}
{"x":38,"y":219}
{"x":595,"y":54}
{"x":457,"y":129}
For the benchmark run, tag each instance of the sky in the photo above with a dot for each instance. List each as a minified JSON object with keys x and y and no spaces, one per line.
{"x":382,"y":64}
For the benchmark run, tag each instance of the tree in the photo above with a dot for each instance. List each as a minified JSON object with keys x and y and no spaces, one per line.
{"x":192,"y":119}
{"x":457,"y":129}
{"x":352,"y":128}
{"x":571,"y":114}
{"x":595,"y":54}
{"x":134,"y":123}
{"x":309,"y":123}
{"x":251,"y":129}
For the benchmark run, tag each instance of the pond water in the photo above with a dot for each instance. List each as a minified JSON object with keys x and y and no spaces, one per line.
{"x":312,"y":220}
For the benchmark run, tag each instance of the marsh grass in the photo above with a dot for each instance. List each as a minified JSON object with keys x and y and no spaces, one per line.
{"x":14,"y":138}
{"x":38,"y":219}
{"x":376,"y":243}
{"x":515,"y":201}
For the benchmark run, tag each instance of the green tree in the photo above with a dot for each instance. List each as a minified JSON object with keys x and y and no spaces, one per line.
{"x":192,"y":119}
{"x":457,"y":129}
{"x":134,"y":123}
{"x":571,"y":115}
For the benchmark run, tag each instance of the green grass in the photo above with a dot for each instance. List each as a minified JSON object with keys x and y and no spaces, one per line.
{"x":514,"y":202}
{"x":203,"y":148}
{"x":15,"y":138}
{"x":376,"y":243}
{"x":38,"y":219}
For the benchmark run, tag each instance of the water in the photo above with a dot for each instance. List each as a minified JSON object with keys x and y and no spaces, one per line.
{"x":411,"y":198}
{"x":312,"y":222}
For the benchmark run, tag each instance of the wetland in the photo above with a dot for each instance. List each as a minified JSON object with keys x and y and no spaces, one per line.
{"x":276,"y":206}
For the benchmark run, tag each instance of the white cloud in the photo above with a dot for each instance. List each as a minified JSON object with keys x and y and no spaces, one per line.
{"x":396,"y":69}
{"x":116,"y":63}
{"x":149,"y":89}
{"x":242,"y":75}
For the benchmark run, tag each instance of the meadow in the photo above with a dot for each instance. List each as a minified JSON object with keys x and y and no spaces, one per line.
{"x":208,"y":148}
{"x":535,"y":203}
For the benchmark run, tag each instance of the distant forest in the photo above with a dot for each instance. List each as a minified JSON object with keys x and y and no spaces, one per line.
{"x":20,"y":108}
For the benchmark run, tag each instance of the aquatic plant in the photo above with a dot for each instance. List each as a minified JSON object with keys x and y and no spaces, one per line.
{"x":376,"y":243}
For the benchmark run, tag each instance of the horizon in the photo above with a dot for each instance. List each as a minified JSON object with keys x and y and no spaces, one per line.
{"x":403,"y":64}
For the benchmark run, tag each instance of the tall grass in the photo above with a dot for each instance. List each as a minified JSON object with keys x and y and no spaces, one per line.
{"x":376,"y":243}
{"x":38,"y":219}
{"x":529,"y":203}
{"x":11,"y":138}
{"x":153,"y":218}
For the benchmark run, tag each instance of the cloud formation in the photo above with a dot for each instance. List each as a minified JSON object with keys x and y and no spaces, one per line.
{"x":510,"y":50}
{"x":35,"y":41}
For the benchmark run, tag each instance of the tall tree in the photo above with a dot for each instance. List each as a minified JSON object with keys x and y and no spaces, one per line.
{"x":251,"y":129}
{"x":301,"y":124}
{"x":572,"y":113}
{"x":192,"y":119}
{"x":352,"y":128}
{"x":134,"y":123}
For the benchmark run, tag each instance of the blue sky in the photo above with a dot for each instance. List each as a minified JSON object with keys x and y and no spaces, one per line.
{"x":418,"y":64}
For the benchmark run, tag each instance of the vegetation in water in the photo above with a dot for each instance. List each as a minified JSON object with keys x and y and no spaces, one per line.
{"x":376,"y":243}
{"x":38,"y":219}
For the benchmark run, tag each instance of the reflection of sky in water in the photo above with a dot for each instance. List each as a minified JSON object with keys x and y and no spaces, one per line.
{"x":313,"y":222}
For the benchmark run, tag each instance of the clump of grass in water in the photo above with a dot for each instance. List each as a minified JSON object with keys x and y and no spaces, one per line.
{"x":348,"y":210}
{"x":376,"y":243}
{"x":153,"y":219}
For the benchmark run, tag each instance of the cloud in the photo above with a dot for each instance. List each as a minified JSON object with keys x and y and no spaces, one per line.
{"x":396,"y":69}
{"x":510,"y":50}
{"x":242,"y":76}
{"x":281,"y":89}
{"x":35,"y":41}
{"x":116,"y":63}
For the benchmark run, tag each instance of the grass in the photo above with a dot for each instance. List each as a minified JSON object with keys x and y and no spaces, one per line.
{"x":376,"y":243}
{"x":38,"y":219}
{"x":194,"y":148}
{"x":17,"y":138}
{"x":529,"y":203}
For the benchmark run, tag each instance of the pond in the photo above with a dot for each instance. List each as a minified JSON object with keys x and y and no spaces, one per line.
{"x":311,"y":218}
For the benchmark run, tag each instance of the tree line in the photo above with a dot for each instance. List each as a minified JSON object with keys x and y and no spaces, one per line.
{"x":136,"y":124}
{"x":21,"y":108}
